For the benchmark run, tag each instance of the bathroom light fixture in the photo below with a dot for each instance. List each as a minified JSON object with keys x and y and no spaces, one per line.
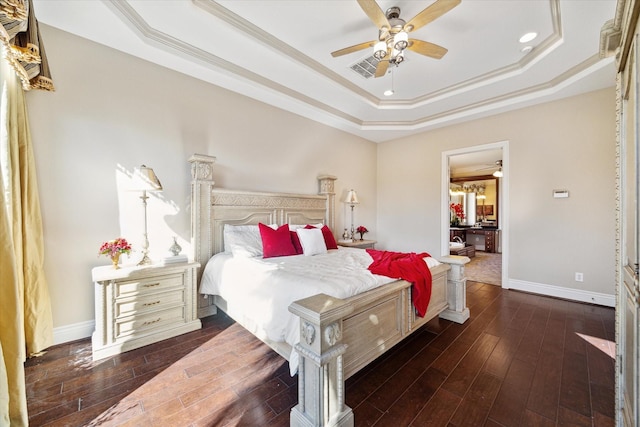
{"x":480,"y":194}
{"x":145,"y":180}
{"x":456,"y":190}
{"x":352,"y":200}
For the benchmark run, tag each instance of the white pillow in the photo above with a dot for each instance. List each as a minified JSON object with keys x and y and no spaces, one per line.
{"x":431,"y":262}
{"x":312,"y":241}
{"x":294,"y":227}
{"x":243,"y":240}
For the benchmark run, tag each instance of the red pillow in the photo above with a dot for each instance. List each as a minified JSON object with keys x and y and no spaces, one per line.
{"x":296,"y":242}
{"x":276,"y":242}
{"x":329,"y":240}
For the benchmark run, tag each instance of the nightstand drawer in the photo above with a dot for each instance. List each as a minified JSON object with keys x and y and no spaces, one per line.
{"x":142,"y":323}
{"x":155,"y":284}
{"x":144,"y":303}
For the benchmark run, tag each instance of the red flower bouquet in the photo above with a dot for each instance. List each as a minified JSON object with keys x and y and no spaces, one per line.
{"x":457,"y":213}
{"x":114,"y":248}
{"x":362,"y":229}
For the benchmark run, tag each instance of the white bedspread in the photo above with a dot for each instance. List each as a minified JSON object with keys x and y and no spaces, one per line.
{"x":259,"y":291}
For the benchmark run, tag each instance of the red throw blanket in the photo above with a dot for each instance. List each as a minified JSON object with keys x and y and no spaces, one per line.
{"x":407,"y":266}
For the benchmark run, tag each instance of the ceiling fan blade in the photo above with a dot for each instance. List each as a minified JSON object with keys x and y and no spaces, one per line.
{"x":427,"y":49}
{"x":381,"y":69}
{"x":352,"y":49}
{"x":374,"y":13}
{"x":431,"y":13}
{"x":496,"y":165}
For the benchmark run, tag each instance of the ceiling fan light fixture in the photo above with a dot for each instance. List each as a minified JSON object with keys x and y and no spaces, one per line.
{"x":397,"y":56}
{"x":380,"y":50}
{"x":393,"y":38}
{"x":401,"y":41}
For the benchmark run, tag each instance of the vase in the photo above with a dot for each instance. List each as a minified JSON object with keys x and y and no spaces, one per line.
{"x":114,"y":260}
{"x":175,"y":248}
{"x":361,"y":236}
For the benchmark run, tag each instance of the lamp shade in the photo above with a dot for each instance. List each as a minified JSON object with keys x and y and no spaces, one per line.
{"x":400,"y":41}
{"x":498,"y":173}
{"x":380,"y":50}
{"x":145,"y":179}
{"x":352,"y":198}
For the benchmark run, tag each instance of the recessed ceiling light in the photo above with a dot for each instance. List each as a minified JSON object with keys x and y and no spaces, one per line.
{"x":388,"y":92}
{"x":526,"y":49}
{"x":528,"y":37}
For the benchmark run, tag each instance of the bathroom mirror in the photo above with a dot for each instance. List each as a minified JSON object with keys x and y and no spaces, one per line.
{"x":478,"y":196}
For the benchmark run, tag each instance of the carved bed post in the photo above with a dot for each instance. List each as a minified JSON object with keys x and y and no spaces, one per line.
{"x":456,"y":289}
{"x":320,"y":370}
{"x":327,"y":188}
{"x":202,"y":242}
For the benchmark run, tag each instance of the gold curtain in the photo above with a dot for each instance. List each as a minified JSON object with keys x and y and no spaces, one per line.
{"x":26,"y":325}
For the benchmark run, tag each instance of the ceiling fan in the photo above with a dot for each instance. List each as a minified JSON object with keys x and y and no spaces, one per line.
{"x":393,"y":32}
{"x":497,"y":166}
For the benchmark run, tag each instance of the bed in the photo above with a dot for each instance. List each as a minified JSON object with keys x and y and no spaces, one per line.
{"x":336,"y":336}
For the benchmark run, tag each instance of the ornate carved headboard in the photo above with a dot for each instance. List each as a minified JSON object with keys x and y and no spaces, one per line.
{"x":212,"y":208}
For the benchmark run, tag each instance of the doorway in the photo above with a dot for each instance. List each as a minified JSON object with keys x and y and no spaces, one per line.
{"x":468,"y":173}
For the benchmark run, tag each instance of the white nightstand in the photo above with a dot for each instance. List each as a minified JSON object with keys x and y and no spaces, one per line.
{"x":361,"y":244}
{"x":137,"y":306}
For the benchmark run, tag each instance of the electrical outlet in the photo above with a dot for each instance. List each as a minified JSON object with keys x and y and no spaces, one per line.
{"x":579,"y":277}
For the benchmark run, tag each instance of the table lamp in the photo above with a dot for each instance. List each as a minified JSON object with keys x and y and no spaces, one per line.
{"x":145,"y":180}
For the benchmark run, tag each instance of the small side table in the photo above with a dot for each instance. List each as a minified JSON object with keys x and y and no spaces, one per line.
{"x":360,"y":244}
{"x":137,"y":306}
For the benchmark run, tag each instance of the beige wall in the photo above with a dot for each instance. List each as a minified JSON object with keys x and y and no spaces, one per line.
{"x":112,"y":112}
{"x":568,"y":144}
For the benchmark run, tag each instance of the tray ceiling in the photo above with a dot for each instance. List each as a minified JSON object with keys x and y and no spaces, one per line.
{"x":279,"y":52}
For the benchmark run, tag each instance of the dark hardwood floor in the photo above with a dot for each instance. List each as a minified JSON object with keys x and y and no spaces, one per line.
{"x":520,"y":360}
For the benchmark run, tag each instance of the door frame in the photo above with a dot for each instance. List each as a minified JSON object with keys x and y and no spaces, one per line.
{"x":503,"y":205}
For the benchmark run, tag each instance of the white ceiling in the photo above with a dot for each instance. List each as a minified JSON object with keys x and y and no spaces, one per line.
{"x":475,"y":163}
{"x":279,"y":52}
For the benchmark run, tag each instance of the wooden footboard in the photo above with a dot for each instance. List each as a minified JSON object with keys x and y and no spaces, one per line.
{"x":380,"y":320}
{"x":339,"y":337}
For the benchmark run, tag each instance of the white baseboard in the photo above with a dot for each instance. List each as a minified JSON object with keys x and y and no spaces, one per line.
{"x":73,"y":332}
{"x":566,"y":293}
